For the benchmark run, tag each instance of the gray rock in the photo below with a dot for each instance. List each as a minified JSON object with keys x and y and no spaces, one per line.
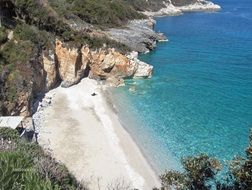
{"x":138,"y":35}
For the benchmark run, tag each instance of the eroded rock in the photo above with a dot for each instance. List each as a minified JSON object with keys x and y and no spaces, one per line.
{"x":138,"y":35}
{"x":70,"y":66}
{"x":50,"y":68}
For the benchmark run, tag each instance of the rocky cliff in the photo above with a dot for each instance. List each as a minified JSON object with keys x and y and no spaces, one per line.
{"x":65,"y":65}
{"x":44,"y":44}
{"x":74,"y":63}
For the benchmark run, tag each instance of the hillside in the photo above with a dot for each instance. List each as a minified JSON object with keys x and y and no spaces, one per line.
{"x":29,"y":30}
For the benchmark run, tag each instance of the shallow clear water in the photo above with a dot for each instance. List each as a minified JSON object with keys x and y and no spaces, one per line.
{"x":200,"y":97}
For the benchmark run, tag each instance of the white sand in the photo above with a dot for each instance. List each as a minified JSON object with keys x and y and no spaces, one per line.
{"x":85,"y":134}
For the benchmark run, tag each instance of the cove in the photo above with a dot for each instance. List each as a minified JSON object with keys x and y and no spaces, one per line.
{"x":199,"y":99}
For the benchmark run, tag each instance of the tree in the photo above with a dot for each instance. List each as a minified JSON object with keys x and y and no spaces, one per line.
{"x":6,"y":10}
{"x":200,"y":173}
{"x":241,"y":169}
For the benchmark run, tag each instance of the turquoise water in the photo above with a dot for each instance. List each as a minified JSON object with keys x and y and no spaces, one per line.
{"x":200,"y":96}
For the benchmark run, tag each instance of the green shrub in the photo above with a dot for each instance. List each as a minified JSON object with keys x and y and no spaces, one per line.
{"x":143,"y":5}
{"x":9,"y":134}
{"x":200,"y":173}
{"x":241,"y":169}
{"x":36,"y":13}
{"x":25,"y":165}
{"x":3,"y":35}
{"x":40,"y":38}
{"x":17,"y":52}
{"x":102,"y":13}
{"x":17,"y":172}
{"x":48,"y":168}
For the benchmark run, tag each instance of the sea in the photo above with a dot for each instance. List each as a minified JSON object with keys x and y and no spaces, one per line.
{"x":199,"y":99}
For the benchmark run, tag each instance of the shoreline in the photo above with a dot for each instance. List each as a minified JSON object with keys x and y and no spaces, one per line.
{"x":117,"y":153}
{"x":171,"y":10}
{"x":102,"y":152}
{"x":113,"y":106}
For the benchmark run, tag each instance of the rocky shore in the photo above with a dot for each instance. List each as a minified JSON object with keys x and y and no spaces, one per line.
{"x":138,"y":35}
{"x":67,"y":63}
{"x":172,"y":10}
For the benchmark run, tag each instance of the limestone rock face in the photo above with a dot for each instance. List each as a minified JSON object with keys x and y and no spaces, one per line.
{"x":69,"y":64}
{"x":110,"y":60}
{"x":124,"y":69}
{"x":23,"y":104}
{"x":96,"y":60}
{"x":50,"y":69}
{"x":85,"y":57}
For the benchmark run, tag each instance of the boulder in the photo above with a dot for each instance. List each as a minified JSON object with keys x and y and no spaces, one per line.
{"x":124,"y":67}
{"x":113,"y":81}
{"x":144,"y":70}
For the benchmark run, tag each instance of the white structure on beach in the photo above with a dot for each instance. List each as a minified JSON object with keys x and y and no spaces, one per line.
{"x":11,"y":121}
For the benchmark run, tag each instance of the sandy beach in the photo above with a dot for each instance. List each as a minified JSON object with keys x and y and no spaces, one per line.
{"x":84,"y":133}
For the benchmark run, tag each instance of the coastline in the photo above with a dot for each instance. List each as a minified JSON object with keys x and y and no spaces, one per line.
{"x":101,"y":153}
{"x":171,"y":10}
{"x":108,"y":155}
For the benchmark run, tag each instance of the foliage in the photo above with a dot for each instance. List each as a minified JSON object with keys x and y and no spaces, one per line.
{"x":200,"y":170}
{"x":35,"y":12}
{"x":41,"y":38}
{"x":143,"y":5}
{"x":15,"y":52}
{"x":8,"y":134}
{"x":174,"y":179}
{"x":241,"y":169}
{"x":200,"y":173}
{"x":3,"y":35}
{"x":103,"y":13}
{"x":17,"y":172}
{"x":26,"y":164}
{"x":98,"y":42}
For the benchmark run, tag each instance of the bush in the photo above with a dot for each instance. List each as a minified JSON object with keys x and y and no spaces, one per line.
{"x":17,"y":52}
{"x":26,"y":164}
{"x":200,"y":174}
{"x":3,"y":35}
{"x":9,"y":134}
{"x":17,"y":173}
{"x":48,"y":167}
{"x":102,"y":13}
{"x":241,"y":169}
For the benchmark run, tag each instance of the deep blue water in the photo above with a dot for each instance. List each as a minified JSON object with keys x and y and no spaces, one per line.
{"x":200,"y":96}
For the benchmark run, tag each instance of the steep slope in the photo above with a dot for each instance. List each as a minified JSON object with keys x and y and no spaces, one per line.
{"x":47,"y":42}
